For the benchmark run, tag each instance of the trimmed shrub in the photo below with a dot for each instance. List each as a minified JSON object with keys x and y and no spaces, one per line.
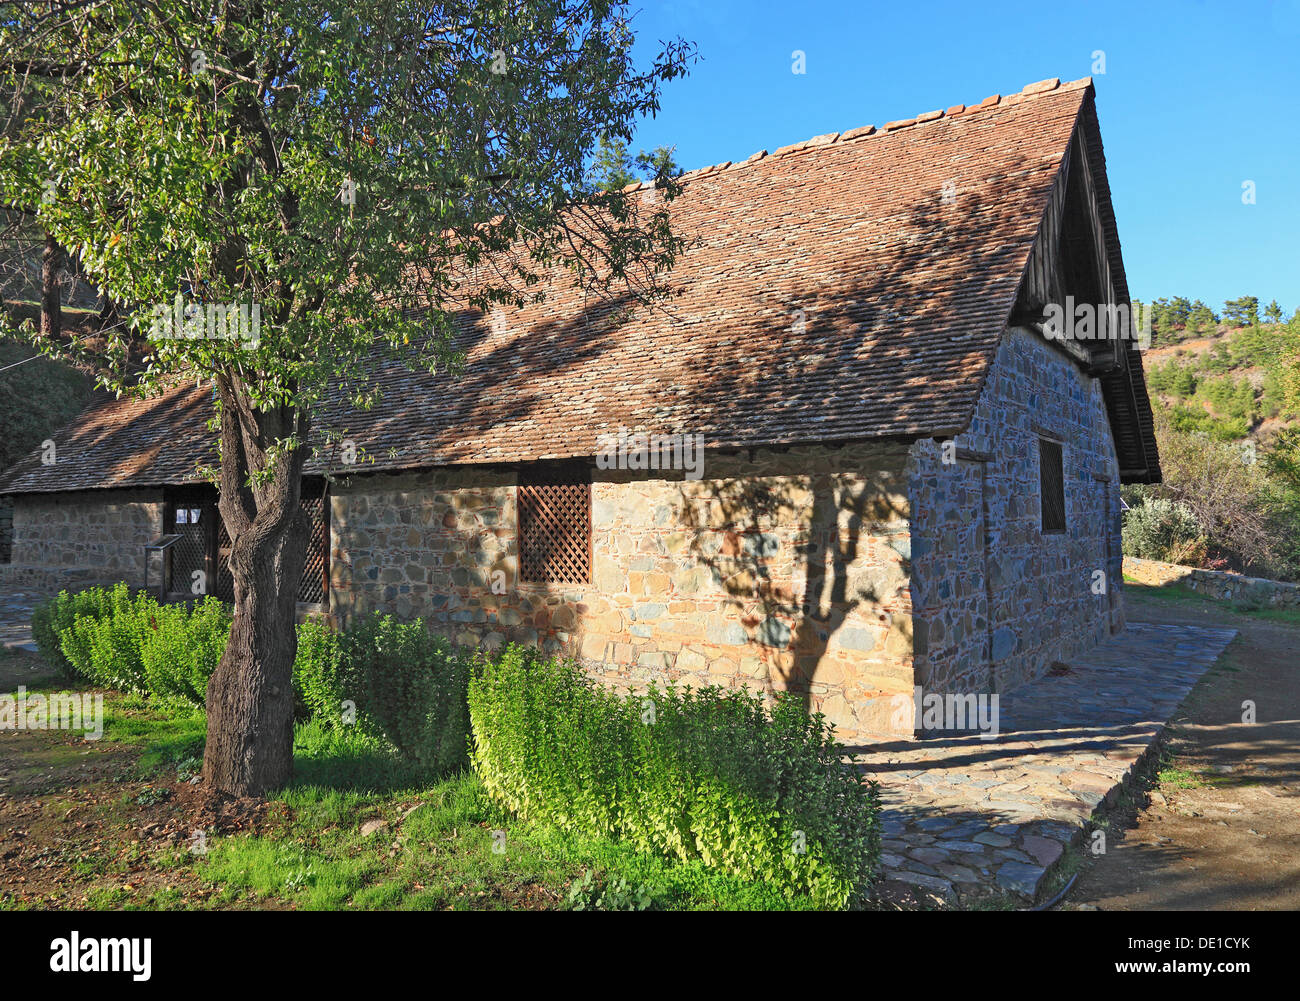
{"x":52,"y":618}
{"x":180,"y":648}
{"x":707,"y":774}
{"x":46,"y":634}
{"x":110,"y":638}
{"x":408,"y":686}
{"x":104,"y":645}
{"x":413,"y":687}
{"x":318,"y":685}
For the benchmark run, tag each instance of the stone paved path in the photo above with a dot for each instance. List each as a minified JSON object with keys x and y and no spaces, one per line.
{"x":16,"y":617}
{"x":966,"y":817}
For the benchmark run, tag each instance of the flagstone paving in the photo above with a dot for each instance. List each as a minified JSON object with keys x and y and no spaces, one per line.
{"x":16,"y":617}
{"x":967,"y":817}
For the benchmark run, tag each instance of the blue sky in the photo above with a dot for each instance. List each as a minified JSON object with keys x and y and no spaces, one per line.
{"x":1197,"y":97}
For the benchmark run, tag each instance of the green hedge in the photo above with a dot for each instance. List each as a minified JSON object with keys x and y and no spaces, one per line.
{"x":51,"y":618}
{"x":183,"y":648}
{"x":406,"y":684}
{"x":319,"y":685}
{"x":706,"y":774}
{"x":109,"y":637}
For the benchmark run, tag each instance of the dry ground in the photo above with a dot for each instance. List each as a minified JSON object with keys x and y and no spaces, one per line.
{"x":86,"y":824}
{"x":1219,"y":827}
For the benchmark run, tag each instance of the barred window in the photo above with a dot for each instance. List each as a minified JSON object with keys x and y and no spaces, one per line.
{"x":1051,"y":485}
{"x":555,"y":524}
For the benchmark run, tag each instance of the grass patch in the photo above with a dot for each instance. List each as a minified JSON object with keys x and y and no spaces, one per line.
{"x":1171,"y":776}
{"x":1179,"y":593}
{"x":444,"y":845}
{"x":164,"y":738}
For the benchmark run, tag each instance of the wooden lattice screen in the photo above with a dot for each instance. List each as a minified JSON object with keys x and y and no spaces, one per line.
{"x":315,"y":574}
{"x":555,"y":525}
{"x":1051,"y":475}
{"x":225,"y":588}
{"x":188,"y":517}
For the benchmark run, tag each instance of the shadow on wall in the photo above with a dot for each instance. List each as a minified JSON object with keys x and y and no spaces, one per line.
{"x":790,"y":555}
{"x":944,"y":279}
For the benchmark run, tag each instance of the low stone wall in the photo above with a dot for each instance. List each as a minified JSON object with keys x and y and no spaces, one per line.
{"x":1214,"y":583}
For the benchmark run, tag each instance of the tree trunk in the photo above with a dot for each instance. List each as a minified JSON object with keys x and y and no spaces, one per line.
{"x":108,"y":314}
{"x":51,"y":299}
{"x":250,"y":695}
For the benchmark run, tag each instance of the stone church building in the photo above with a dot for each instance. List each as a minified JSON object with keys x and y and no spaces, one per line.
{"x":902,"y":480}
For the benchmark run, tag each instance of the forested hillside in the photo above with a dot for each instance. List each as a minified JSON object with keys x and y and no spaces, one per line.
{"x":1224,"y":389}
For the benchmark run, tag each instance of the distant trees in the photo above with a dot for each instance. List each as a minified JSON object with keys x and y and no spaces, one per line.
{"x":1170,"y":317}
{"x":1170,"y":313}
{"x":1246,"y":510}
{"x":613,"y":169}
{"x":1240,"y":482}
{"x":1202,"y":319}
{"x":1242,"y":312}
{"x":1178,"y":318}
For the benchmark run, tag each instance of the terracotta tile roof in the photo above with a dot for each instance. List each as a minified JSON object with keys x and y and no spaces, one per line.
{"x":851,"y":286}
{"x":124,"y":442}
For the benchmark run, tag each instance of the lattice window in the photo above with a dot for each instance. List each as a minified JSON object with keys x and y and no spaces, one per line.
{"x":316,"y":570}
{"x":188,"y":518}
{"x":6,"y":531}
{"x":555,"y":525}
{"x":1051,"y":485}
{"x":315,"y":575}
{"x":225,"y":587}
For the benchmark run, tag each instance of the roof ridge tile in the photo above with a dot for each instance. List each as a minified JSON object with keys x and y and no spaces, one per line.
{"x":1030,"y":90}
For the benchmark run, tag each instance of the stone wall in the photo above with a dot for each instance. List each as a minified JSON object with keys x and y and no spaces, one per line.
{"x":6,"y":530}
{"x":990,"y":616}
{"x":1216,"y":584}
{"x":784,"y":570}
{"x":91,"y":536}
{"x":843,"y":574}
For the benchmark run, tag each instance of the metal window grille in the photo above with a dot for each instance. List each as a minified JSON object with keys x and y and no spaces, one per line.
{"x":1051,"y":475}
{"x":555,"y":525}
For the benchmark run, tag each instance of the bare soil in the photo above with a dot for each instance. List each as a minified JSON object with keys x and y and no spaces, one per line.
{"x":81,"y":825}
{"x":1219,"y":825}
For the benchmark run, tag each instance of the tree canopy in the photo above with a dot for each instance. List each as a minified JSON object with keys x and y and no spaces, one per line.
{"x":280,"y":194}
